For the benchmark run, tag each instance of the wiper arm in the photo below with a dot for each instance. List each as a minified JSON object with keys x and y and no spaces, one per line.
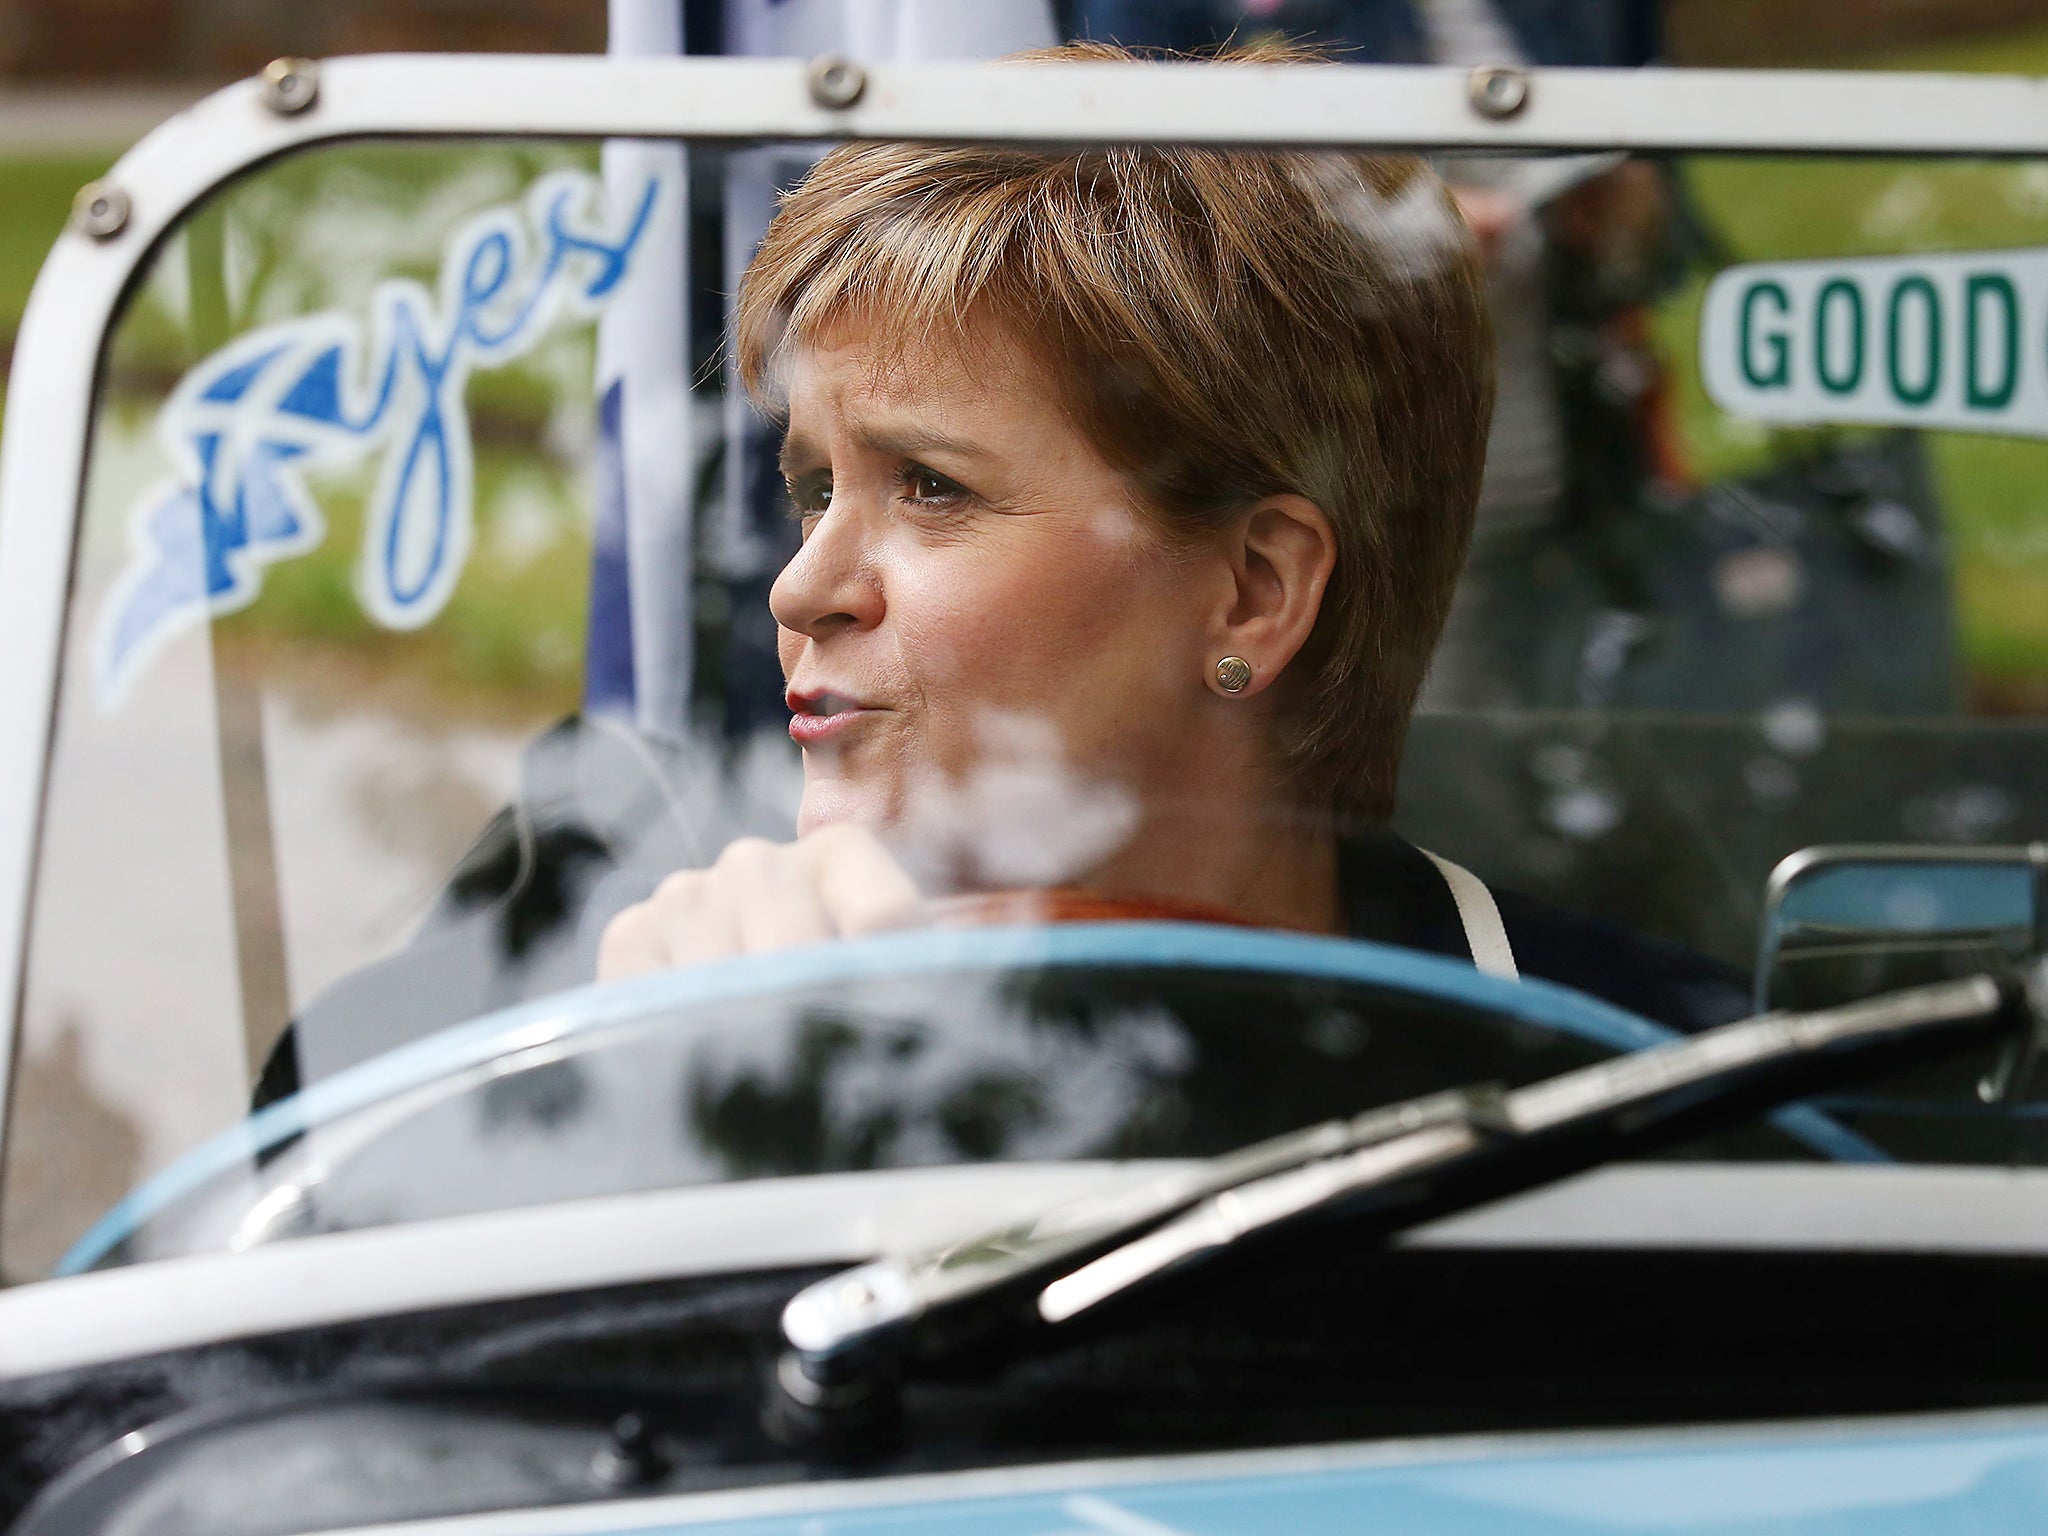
{"x":1391,"y":1168}
{"x":846,"y":1310}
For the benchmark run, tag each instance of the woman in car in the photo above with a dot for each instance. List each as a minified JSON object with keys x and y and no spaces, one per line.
{"x":1134,"y":486}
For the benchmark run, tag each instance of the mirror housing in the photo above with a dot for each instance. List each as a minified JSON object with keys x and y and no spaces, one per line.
{"x":1852,"y":921}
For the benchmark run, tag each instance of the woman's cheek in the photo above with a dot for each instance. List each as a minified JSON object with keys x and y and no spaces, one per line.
{"x":1030,"y":617}
{"x":1002,"y":632}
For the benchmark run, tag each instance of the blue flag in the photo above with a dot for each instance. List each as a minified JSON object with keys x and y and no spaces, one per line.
{"x":638,"y":656}
{"x":648,"y":547}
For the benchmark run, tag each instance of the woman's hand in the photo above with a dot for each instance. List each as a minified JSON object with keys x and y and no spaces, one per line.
{"x":838,"y":882}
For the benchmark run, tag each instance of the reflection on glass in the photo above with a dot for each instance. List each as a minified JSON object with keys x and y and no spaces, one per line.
{"x":1686,"y":641}
{"x":966,"y":1064}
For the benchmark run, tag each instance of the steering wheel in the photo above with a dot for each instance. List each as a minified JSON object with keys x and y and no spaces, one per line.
{"x":1102,"y":1027}
{"x":1071,"y":904}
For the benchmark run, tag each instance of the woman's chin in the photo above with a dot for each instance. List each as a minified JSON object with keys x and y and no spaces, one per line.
{"x":834,"y":802}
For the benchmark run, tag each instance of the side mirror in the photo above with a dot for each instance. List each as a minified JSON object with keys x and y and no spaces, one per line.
{"x":1849,"y":922}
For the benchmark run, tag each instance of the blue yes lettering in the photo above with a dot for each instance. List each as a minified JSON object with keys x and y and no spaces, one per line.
{"x":243,"y":427}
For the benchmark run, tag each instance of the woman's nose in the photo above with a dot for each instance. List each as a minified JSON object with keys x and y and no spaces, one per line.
{"x":829,"y":584}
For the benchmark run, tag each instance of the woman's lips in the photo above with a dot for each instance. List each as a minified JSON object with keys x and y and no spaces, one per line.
{"x":818,"y":717}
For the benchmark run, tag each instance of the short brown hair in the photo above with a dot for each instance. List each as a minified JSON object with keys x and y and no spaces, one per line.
{"x":1225,"y":325}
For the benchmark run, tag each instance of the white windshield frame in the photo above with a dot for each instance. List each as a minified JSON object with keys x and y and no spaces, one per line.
{"x":137,"y":1310}
{"x":78,"y":295}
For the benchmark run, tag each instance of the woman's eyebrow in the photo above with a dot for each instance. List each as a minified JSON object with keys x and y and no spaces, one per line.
{"x":906,"y":442}
{"x":916,"y":442}
{"x":796,"y":453}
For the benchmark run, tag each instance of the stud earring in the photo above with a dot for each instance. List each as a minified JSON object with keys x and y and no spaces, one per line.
{"x":1233,"y":673}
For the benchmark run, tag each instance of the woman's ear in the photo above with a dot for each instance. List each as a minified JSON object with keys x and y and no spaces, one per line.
{"x":1281,"y":554}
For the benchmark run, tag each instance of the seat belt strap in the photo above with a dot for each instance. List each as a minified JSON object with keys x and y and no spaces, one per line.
{"x":1485,"y":933}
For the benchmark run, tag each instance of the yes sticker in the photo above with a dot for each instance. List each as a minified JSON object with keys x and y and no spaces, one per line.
{"x":328,"y":389}
{"x":1954,"y":341}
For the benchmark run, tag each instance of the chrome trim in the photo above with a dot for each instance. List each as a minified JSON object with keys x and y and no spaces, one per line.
{"x":1795,"y":864}
{"x":77,"y":295}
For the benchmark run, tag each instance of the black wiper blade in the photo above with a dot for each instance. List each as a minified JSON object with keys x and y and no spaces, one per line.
{"x":846,"y":1310}
{"x":1391,"y":1169}
{"x":1558,"y":1127}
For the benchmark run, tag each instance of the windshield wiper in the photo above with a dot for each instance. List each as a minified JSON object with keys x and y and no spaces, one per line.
{"x":1384,"y":1172}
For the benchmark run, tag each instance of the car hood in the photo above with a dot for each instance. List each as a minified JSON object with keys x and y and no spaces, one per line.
{"x":1927,"y":1476}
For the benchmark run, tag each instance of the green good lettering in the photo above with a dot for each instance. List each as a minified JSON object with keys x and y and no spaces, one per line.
{"x":1838,"y":296}
{"x":1777,"y":374}
{"x":1921,"y":392}
{"x":1997,"y":341}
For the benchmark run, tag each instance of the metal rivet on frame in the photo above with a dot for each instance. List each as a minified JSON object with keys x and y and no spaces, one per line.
{"x":836,"y":83}
{"x":290,"y":85}
{"x":1498,"y":91}
{"x":100,"y":210}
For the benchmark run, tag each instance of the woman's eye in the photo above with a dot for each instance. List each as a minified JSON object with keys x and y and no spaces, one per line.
{"x":922,"y":485}
{"x":811,"y":495}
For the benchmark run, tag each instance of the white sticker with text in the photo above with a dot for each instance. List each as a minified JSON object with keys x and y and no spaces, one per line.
{"x":1953,"y":341}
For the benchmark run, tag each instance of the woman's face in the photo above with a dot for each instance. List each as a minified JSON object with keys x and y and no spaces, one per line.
{"x":985,"y":641}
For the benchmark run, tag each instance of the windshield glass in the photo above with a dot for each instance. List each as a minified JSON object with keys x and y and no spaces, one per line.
{"x":534,"y":662}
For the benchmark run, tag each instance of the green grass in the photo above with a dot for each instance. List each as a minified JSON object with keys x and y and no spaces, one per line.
{"x":2019,"y":52}
{"x":35,"y":200}
{"x":37,"y":193}
{"x":514,"y":626}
